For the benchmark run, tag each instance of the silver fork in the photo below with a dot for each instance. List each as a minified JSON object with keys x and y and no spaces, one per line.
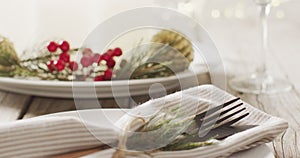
{"x":223,"y":115}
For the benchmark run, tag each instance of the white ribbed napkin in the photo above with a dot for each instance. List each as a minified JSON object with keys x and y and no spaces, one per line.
{"x":197,"y":100}
{"x":43,"y":136}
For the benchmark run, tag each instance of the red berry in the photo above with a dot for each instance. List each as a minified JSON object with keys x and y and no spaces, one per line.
{"x":109,"y":52}
{"x":87,"y":52}
{"x":108,"y":74}
{"x":106,"y":57}
{"x":64,"y":57}
{"x":65,"y":46}
{"x":73,"y":66}
{"x":117,"y":52}
{"x":59,"y":65}
{"x":52,"y":47}
{"x":86,"y":61}
{"x":97,"y":58}
{"x":99,"y":78}
{"x":50,"y":65}
{"x":111,"y":63}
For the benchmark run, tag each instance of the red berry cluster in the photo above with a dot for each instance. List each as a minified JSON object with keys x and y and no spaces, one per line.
{"x":98,"y":67}
{"x":106,"y":58}
{"x":64,"y":57}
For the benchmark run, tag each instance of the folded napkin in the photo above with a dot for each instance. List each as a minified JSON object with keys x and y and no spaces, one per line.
{"x":44,"y":136}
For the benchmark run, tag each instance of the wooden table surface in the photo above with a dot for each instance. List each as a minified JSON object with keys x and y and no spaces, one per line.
{"x":285,"y":105}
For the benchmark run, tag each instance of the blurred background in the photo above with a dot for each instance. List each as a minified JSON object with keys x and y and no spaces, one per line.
{"x":232,"y":24}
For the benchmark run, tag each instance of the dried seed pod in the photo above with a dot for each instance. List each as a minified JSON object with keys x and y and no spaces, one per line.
{"x":168,"y":53}
{"x":177,"y":41}
{"x":8,"y":55}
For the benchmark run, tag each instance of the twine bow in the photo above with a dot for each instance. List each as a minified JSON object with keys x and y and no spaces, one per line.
{"x":121,"y":151}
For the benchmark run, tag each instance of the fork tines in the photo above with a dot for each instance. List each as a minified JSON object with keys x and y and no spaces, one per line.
{"x":221,"y":116}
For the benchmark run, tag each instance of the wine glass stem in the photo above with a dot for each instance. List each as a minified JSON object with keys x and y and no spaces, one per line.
{"x":264,"y":13}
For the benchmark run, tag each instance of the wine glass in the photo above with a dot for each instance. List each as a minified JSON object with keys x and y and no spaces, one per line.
{"x":261,"y":81}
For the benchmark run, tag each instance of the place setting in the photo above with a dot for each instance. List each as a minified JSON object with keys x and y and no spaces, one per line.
{"x":166,"y":57}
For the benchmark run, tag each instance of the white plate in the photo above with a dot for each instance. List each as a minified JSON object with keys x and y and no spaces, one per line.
{"x":104,"y":89}
{"x":107,"y":31}
{"x":114,"y":114}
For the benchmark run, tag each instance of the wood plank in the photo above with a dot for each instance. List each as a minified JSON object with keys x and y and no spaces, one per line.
{"x":286,"y":106}
{"x":283,"y":105}
{"x":42,"y":106}
{"x":12,"y":106}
